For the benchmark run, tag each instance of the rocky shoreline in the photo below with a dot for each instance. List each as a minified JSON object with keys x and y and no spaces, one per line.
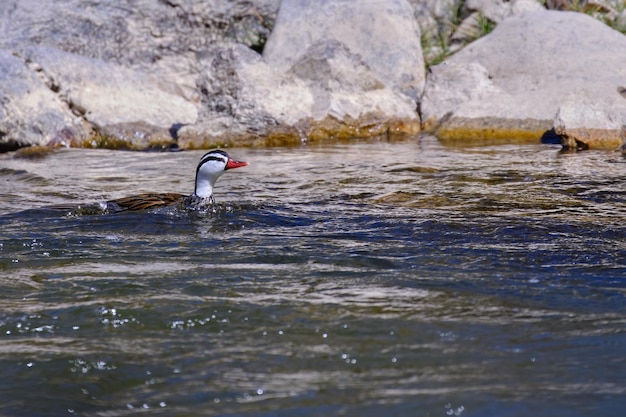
{"x":198,"y":74}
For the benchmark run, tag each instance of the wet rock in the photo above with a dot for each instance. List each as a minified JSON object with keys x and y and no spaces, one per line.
{"x":512,"y":83}
{"x":125,"y":73}
{"x":384,"y":34}
{"x":586,"y":123}
{"x":242,"y":99}
{"x":129,"y":74}
{"x":328,"y":93}
{"x":30,"y":113}
{"x":133,"y":136}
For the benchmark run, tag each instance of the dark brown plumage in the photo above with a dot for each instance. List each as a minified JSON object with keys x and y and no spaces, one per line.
{"x":146,"y":201}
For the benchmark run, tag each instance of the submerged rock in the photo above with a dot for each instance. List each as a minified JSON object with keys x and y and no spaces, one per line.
{"x":511,"y":84}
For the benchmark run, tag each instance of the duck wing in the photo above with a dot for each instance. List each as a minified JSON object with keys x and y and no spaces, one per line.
{"x":145,"y":201}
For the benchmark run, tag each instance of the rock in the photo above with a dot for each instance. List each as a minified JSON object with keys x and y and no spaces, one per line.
{"x":323,"y":91}
{"x":485,"y":14}
{"x":584,"y":123}
{"x":242,"y":99}
{"x":448,"y":25}
{"x":498,"y":10}
{"x":113,"y":71}
{"x":123,"y":74}
{"x":30,"y":113}
{"x":437,"y":20}
{"x":133,"y":136}
{"x":510,"y":84}
{"x":384,"y":34}
{"x":106,"y":94}
{"x":458,"y":104}
{"x":468,"y":30}
{"x":164,"y":38}
{"x":328,"y":93}
{"x":62,"y":99}
{"x":620,"y":21}
{"x":343,"y":86}
{"x":433,"y":16}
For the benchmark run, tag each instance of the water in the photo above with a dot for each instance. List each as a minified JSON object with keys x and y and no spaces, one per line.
{"x":354,"y":279}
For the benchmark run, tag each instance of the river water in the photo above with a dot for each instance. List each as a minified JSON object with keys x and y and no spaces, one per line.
{"x":354,"y":279}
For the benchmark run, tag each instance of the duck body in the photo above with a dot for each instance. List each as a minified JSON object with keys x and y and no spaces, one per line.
{"x":157,"y":200}
{"x":146,"y":201}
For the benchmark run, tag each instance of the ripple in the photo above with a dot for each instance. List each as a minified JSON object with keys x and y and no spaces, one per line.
{"x":357,"y":278}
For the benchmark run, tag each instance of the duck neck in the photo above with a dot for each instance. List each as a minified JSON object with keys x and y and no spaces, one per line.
{"x":204,"y":188}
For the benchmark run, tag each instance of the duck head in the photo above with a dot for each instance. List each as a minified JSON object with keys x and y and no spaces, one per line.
{"x":211,"y":166}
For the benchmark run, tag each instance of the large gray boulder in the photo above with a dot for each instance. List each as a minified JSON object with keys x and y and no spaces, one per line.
{"x":512,"y":84}
{"x":107,"y":94}
{"x":344,"y":86}
{"x":242,"y":99}
{"x":51,"y":97}
{"x":163,"y":38}
{"x":384,"y":34}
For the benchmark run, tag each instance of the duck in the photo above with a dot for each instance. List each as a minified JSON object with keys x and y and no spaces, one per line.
{"x":211,"y":166}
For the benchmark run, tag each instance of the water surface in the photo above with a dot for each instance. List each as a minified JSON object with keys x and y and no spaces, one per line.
{"x":356,"y":279}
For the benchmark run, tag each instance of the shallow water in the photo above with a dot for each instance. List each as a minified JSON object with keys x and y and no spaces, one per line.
{"x":356,"y":279}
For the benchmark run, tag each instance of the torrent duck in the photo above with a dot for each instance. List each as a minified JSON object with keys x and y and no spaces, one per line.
{"x":211,"y":166}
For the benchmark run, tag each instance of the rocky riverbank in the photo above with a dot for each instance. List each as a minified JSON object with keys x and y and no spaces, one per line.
{"x":199,"y":74}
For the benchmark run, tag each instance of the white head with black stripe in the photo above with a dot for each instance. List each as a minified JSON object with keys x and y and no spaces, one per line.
{"x":211,"y":166}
